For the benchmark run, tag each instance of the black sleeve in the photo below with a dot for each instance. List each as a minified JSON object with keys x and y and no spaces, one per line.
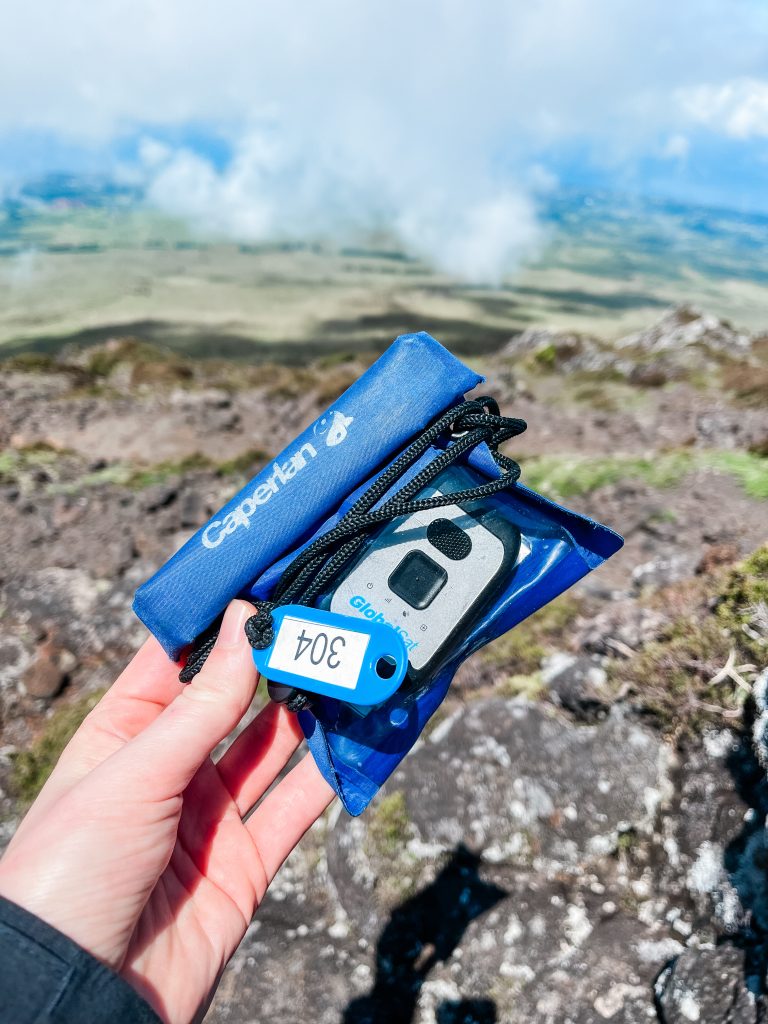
{"x":46,"y":978}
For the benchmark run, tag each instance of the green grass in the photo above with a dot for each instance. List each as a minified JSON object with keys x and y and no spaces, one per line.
{"x":522,"y":649}
{"x":244,"y":463}
{"x":15,"y":461}
{"x":18,"y":466}
{"x":751,"y":470}
{"x":546,"y":357}
{"x":566,"y":476}
{"x":134,"y":478}
{"x":103,"y":359}
{"x":158,"y":473}
{"x":742,"y":606}
{"x":120,"y":474}
{"x":530,"y":686}
{"x":32,"y":362}
{"x":32,"y":767}
{"x":678,"y":677}
{"x":671,"y":678}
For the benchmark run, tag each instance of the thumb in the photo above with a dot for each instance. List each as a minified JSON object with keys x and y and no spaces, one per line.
{"x":162,"y":760}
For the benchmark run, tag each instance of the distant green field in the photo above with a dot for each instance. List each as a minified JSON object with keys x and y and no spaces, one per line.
{"x":87,"y":273}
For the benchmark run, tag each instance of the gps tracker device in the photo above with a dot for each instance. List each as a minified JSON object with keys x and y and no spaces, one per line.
{"x":423,"y":577}
{"x":429,"y":575}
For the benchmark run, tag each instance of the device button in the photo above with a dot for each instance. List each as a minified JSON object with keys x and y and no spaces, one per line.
{"x":417,"y":579}
{"x":449,"y":539}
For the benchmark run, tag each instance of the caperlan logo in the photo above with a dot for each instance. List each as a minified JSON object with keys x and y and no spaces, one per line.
{"x":333,"y":426}
{"x":367,"y":610}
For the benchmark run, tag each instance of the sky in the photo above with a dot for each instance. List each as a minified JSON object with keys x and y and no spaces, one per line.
{"x":446,"y":124}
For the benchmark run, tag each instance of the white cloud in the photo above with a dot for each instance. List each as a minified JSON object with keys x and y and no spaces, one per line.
{"x":153,"y":153}
{"x":476,"y":242}
{"x":552,"y":70}
{"x":676,"y":147}
{"x":434,"y":120}
{"x":738,"y":108}
{"x":267,"y":192}
{"x":234,"y":202}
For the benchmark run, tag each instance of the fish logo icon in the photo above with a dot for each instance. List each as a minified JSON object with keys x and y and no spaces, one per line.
{"x":333,"y":426}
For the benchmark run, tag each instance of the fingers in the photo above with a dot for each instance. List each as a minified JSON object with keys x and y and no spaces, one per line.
{"x":161,"y":760}
{"x":282,"y":818}
{"x":151,"y":678}
{"x":146,"y":686}
{"x":259,"y":754}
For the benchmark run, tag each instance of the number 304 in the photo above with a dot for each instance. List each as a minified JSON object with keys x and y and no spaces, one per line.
{"x":320,"y":648}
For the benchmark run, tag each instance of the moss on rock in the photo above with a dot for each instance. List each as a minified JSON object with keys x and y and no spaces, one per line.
{"x":530,"y":686}
{"x":697,"y":673}
{"x":388,"y":826}
{"x":386,"y":838}
{"x":522,"y":649}
{"x":742,"y":606}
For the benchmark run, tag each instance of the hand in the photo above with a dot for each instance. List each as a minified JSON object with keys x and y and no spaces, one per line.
{"x":136,"y":846}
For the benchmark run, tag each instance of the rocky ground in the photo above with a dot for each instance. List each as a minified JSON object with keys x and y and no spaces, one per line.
{"x":579,"y":836}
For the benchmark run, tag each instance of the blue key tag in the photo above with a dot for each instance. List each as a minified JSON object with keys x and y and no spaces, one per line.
{"x":333,"y":655}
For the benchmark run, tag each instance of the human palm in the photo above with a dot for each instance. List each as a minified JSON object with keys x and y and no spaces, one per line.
{"x":136,"y":847}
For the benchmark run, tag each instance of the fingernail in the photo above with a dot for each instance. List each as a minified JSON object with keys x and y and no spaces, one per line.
{"x":232,"y":624}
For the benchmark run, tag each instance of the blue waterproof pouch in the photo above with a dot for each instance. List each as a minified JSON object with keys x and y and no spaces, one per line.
{"x":540,"y":549}
{"x":406,"y":388}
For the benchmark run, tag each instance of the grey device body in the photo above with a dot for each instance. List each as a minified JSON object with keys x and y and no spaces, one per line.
{"x":430,"y":574}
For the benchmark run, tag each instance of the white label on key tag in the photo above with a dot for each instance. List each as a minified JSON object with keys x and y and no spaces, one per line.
{"x":318,"y":651}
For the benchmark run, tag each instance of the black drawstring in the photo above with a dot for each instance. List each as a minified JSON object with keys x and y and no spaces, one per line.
{"x":313,"y":570}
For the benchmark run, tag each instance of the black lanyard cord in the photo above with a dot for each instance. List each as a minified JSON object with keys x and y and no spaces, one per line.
{"x":315,"y":568}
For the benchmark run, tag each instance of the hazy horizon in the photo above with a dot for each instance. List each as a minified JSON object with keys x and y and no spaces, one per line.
{"x":448,"y":125}
{"x":84,"y":260}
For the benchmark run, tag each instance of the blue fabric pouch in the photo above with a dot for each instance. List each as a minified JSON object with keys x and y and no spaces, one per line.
{"x":245,"y":547}
{"x":406,"y":388}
